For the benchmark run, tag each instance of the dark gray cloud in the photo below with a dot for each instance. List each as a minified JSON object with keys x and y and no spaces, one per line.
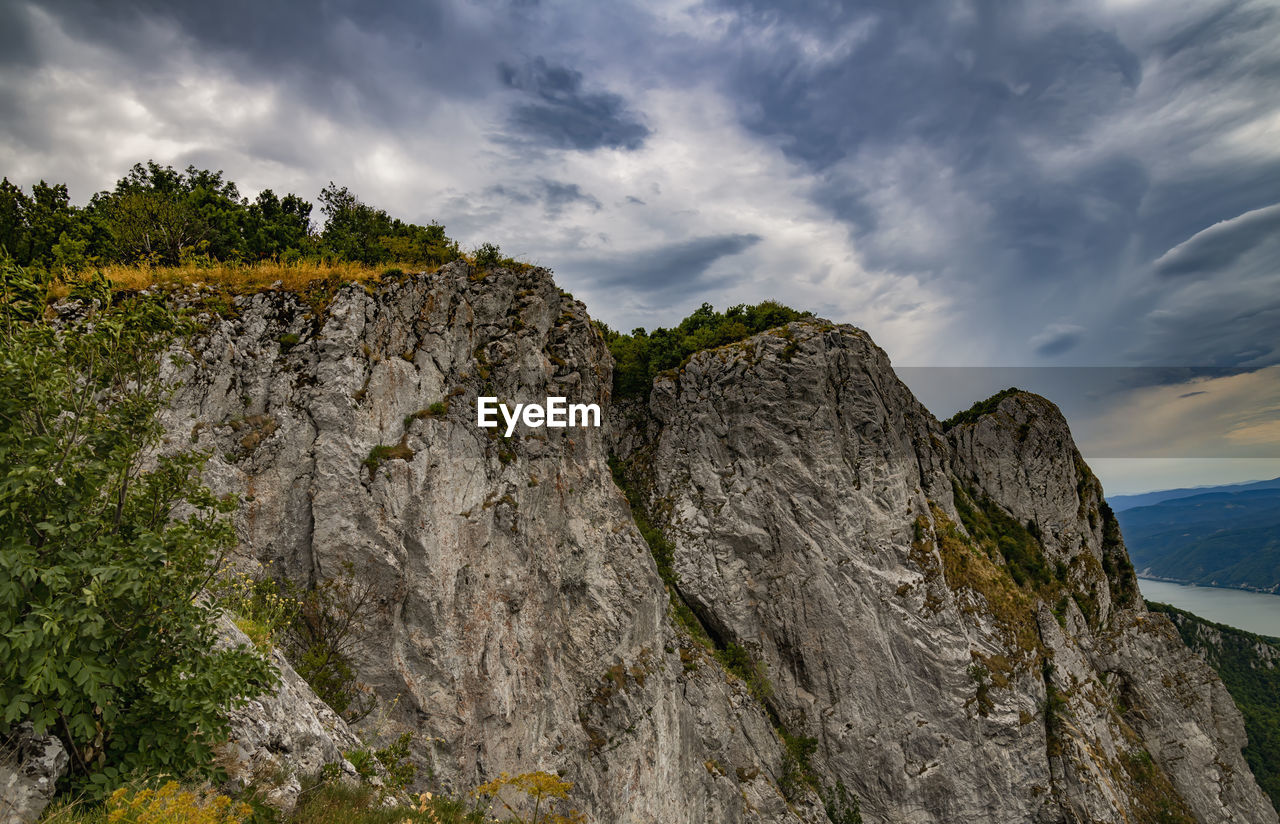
{"x":1057,"y":339}
{"x":998,"y":108}
{"x":680,"y":267}
{"x":1221,"y":245}
{"x":554,"y":195}
{"x":1013,"y":172}
{"x":561,"y":114}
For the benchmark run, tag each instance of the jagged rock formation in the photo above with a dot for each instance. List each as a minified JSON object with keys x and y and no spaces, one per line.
{"x":522,"y":625}
{"x":950,"y":616}
{"x":283,"y":737}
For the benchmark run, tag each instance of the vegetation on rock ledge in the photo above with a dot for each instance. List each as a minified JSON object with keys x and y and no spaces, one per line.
{"x":641,"y":356}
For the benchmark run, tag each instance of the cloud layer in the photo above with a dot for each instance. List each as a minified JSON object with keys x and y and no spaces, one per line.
{"x":1087,"y":182}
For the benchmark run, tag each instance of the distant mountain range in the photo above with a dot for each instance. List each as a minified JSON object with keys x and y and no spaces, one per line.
{"x":1119,"y":503}
{"x":1226,"y":536}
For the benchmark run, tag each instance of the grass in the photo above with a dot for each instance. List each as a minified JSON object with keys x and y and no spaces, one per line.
{"x":328,"y":802}
{"x":240,"y":278}
{"x":247,"y":278}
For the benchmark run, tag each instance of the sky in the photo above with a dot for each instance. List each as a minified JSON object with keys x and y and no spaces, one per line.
{"x":980,"y":185}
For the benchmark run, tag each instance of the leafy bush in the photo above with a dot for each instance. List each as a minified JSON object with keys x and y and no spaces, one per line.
{"x":738,"y":661}
{"x":106,"y":637}
{"x":393,"y":759}
{"x":797,"y":769}
{"x":159,"y":216}
{"x":841,"y":806}
{"x":261,"y":609}
{"x":1001,"y":536}
{"x":330,"y":621}
{"x":488,"y":255}
{"x":640,"y":356}
{"x":382,"y":453}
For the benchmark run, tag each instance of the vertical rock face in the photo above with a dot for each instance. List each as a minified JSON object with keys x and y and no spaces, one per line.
{"x":949,"y":616}
{"x":520,"y":621}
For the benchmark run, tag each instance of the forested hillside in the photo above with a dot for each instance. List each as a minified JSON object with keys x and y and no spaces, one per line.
{"x":1216,"y":539}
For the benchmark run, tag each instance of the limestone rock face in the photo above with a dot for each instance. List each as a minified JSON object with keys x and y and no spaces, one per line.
{"x":30,"y":767}
{"x":823,"y":521}
{"x":520,"y":622}
{"x":280,"y":738}
{"x":949,"y":617}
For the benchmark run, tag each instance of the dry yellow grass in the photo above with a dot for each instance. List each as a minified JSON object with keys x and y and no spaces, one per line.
{"x":248,"y":277}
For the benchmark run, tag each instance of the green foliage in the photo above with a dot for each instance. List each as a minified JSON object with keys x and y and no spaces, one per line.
{"x":330,"y":621}
{"x":979,"y":409}
{"x":1116,"y":563}
{"x":382,"y":453}
{"x":1249,"y":666}
{"x":1002,"y":536}
{"x":738,"y":661}
{"x":157,"y":215}
{"x":1220,"y":538}
{"x":841,"y":806}
{"x":1055,"y":709}
{"x":393,"y":760}
{"x":487,"y":255}
{"x":640,"y":356}
{"x":797,"y":769}
{"x":322,"y":801}
{"x":356,"y":231}
{"x":260,"y":606}
{"x":106,"y":639}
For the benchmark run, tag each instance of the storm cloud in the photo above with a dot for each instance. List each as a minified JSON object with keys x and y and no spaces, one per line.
{"x":562,"y":115}
{"x":1048,"y":183}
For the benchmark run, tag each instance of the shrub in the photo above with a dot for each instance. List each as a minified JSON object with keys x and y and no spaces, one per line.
{"x":331,"y":619}
{"x":841,"y":806}
{"x":259,"y":605}
{"x":738,"y":661}
{"x":106,"y":638}
{"x":973,"y":413}
{"x":386,"y":452}
{"x":488,"y":255}
{"x":797,"y":771}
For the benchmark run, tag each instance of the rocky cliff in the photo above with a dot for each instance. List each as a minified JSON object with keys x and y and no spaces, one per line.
{"x":852,"y":601}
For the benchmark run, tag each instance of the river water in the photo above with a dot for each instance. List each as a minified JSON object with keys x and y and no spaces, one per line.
{"x":1251,"y":611}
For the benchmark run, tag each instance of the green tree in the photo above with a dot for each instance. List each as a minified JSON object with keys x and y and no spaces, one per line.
{"x":154,"y":227}
{"x":13,"y":230}
{"x":640,"y":356}
{"x":106,"y":637}
{"x":274,"y":225}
